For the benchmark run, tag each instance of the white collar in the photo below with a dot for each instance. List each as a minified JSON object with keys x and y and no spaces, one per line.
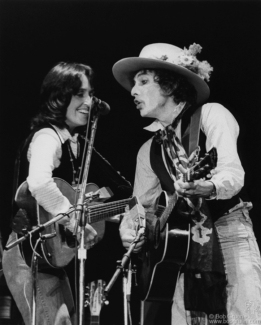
{"x":154,"y":126}
{"x":64,"y":134}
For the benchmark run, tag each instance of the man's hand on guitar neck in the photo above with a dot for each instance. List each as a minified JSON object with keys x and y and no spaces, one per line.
{"x":195,"y":182}
{"x":197,"y":188}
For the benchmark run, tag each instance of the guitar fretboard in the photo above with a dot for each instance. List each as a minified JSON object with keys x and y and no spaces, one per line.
{"x":102,"y":211}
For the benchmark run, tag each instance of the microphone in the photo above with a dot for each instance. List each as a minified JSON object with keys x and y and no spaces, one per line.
{"x":101,"y":107}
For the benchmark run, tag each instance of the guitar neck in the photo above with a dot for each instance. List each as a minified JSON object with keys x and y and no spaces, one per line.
{"x":197,"y":171}
{"x":104,"y":211}
{"x":95,"y":320}
{"x":166,"y":213}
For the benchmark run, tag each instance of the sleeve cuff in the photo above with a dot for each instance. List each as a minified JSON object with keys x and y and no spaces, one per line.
{"x":213,"y":194}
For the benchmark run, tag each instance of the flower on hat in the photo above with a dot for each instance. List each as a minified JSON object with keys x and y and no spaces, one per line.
{"x":189,"y":61}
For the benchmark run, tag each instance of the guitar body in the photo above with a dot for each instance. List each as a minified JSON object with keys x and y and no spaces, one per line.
{"x":168,"y":237}
{"x":163,"y":255}
{"x":56,"y":248}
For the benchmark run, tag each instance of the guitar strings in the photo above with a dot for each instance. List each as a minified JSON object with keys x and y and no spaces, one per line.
{"x":109,"y":203}
{"x":111,"y":210}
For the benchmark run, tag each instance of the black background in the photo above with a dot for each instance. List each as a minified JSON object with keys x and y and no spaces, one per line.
{"x":35,"y":35}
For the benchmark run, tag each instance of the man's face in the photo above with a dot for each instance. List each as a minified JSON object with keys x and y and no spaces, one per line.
{"x":79,"y":107}
{"x":149,"y":98}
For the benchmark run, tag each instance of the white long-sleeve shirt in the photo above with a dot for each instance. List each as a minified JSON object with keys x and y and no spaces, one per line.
{"x":221,"y":130}
{"x":44,"y":155}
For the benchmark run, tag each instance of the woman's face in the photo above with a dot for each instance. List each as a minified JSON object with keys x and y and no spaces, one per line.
{"x":80,"y":106}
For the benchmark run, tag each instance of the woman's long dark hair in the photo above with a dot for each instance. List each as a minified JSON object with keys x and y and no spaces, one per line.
{"x":60,"y":84}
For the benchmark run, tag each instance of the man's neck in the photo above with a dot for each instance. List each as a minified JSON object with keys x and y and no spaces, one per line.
{"x":170,"y":113}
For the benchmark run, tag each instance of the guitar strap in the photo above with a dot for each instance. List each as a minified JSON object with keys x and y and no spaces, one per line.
{"x":190,"y":138}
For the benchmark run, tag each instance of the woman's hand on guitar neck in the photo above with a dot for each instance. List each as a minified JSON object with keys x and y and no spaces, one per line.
{"x":197,"y":188}
{"x":90,"y":233}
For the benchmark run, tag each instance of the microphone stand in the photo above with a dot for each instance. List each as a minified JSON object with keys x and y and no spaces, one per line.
{"x":34,"y":262}
{"x":127,"y":283}
{"x":34,"y":268}
{"x":40,"y":228}
{"x":81,"y":219}
{"x":121,"y":268}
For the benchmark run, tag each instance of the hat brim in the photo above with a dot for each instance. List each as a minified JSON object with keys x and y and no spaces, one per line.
{"x":125,"y":70}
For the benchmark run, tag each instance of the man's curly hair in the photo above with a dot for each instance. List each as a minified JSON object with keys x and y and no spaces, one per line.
{"x":175,"y":86}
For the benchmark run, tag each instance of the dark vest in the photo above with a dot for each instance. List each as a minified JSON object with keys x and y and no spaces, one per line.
{"x":217,"y":207}
{"x":64,"y":171}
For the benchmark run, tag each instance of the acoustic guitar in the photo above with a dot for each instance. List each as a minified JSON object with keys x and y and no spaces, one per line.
{"x":56,"y":249}
{"x":166,"y":248}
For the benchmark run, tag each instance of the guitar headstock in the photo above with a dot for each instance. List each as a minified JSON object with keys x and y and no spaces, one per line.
{"x":95,"y":296}
{"x":101,"y":195}
{"x":205,"y":165}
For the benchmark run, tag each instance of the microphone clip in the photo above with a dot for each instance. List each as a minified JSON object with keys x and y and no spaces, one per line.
{"x":99,"y":106}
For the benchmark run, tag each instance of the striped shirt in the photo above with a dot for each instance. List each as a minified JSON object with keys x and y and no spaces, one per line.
{"x":44,"y":155}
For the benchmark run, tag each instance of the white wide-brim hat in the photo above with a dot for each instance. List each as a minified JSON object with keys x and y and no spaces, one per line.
{"x":160,"y":56}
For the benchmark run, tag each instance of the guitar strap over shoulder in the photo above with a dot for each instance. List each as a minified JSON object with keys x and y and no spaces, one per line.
{"x":190,"y":138}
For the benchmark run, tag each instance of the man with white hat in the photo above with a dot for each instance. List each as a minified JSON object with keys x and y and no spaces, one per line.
{"x":221,"y":278}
